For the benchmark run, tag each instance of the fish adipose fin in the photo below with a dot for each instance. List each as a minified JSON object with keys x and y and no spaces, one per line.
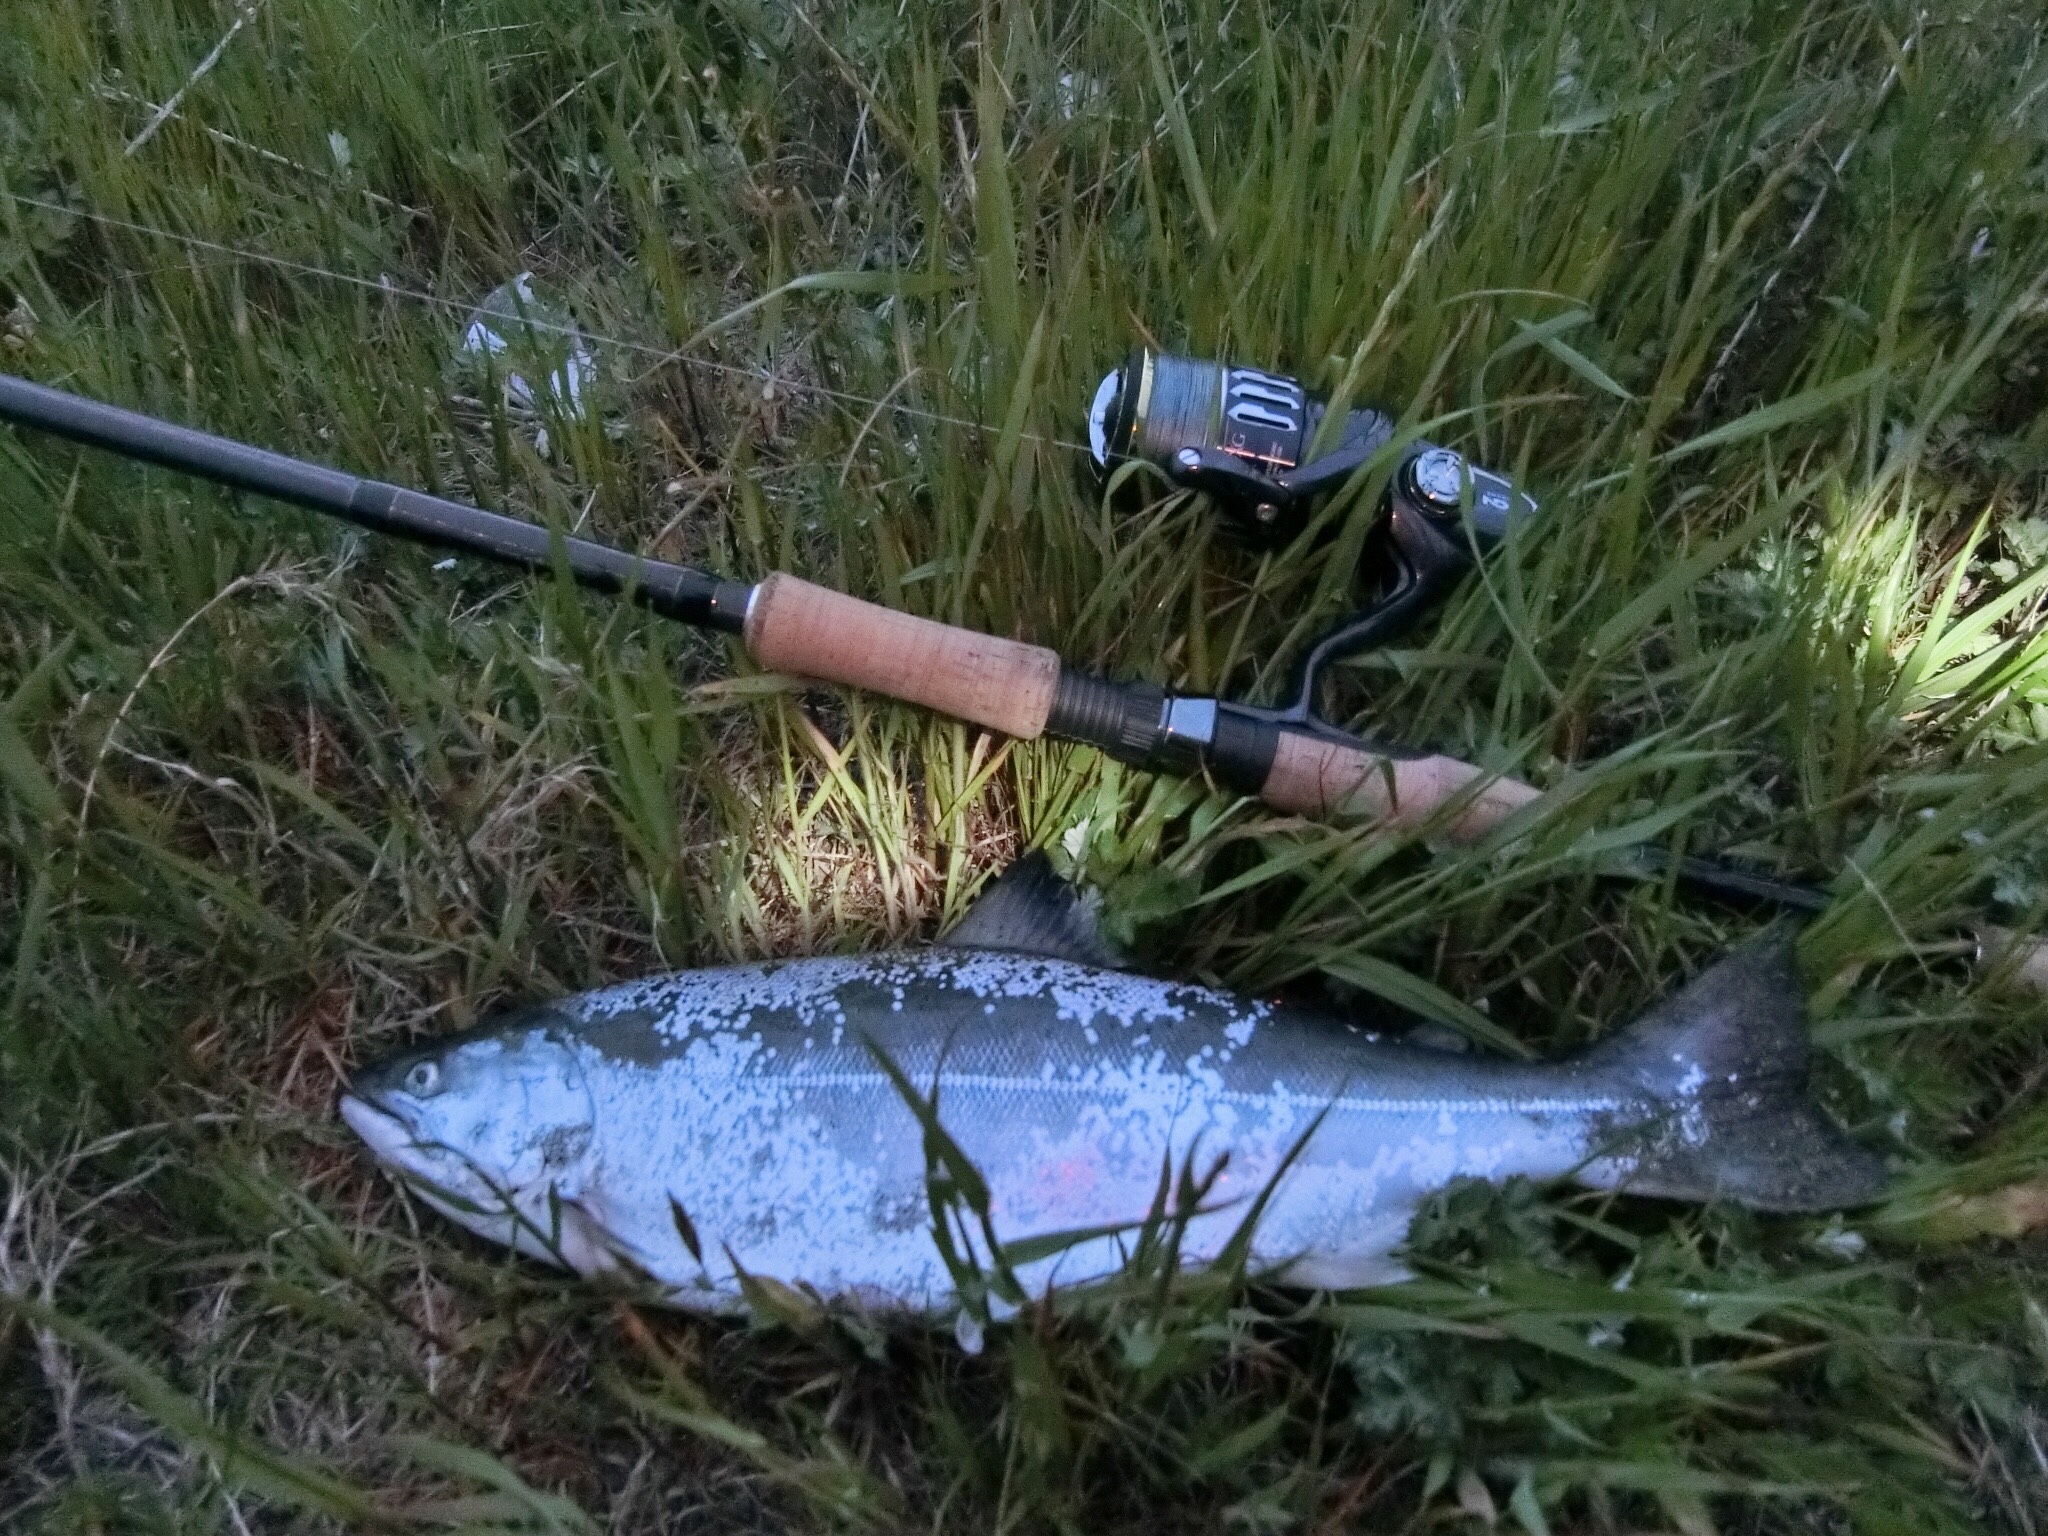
{"x":1030,"y":910}
{"x":1725,"y":1062}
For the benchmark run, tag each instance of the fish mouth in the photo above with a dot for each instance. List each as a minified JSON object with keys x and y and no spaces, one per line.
{"x":426,"y":1167}
{"x":444,"y":1179}
{"x":387,"y":1136}
{"x":455,"y":1187}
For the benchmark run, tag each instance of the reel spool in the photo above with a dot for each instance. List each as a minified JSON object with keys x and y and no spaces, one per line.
{"x":1245,"y":438}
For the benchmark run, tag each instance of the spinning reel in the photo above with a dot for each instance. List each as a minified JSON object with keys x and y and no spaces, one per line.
{"x":1244,"y":438}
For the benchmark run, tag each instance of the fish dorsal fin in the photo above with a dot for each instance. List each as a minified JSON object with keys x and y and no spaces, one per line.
{"x":1030,"y":910}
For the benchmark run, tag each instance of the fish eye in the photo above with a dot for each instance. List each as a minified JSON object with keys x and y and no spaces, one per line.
{"x":422,"y":1078}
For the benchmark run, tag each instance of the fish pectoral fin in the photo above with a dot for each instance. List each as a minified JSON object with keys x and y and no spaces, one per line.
{"x":1030,"y":910}
{"x":585,"y":1244}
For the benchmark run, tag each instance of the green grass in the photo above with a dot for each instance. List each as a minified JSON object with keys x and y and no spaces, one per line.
{"x":275,"y":796}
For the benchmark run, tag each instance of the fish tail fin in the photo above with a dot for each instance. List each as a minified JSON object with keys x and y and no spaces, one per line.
{"x":1728,"y":1053}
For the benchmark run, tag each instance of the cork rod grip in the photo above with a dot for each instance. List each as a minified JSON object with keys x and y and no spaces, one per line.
{"x":1314,"y":777}
{"x":811,"y":631}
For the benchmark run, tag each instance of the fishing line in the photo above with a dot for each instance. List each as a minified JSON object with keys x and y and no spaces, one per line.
{"x":660,"y":355}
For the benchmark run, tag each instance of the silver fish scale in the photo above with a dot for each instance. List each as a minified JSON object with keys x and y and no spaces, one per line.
{"x":752,"y":1098}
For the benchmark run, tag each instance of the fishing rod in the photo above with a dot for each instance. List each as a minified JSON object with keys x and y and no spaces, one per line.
{"x":1240,"y":435}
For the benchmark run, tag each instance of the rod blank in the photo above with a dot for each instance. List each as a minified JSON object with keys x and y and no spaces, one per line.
{"x":675,"y":591}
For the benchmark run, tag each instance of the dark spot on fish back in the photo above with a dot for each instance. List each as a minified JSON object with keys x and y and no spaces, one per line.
{"x":633,"y":1036}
